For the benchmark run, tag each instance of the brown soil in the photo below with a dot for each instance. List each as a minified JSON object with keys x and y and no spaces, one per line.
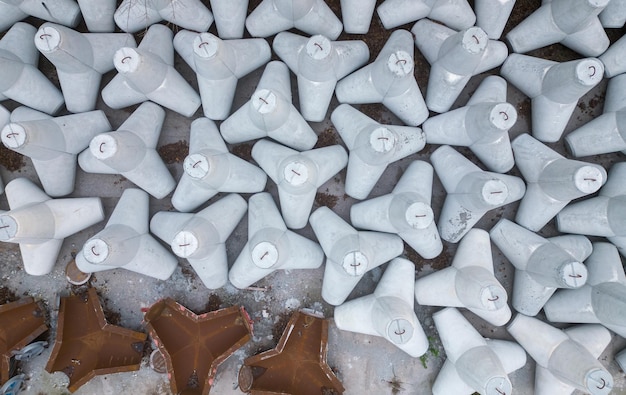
{"x":11,"y":159}
{"x":244,"y":151}
{"x":174,"y":152}
{"x":280,"y":325}
{"x":213,"y":303}
{"x":6,"y":295}
{"x":325,"y":199}
{"x":326,"y":138}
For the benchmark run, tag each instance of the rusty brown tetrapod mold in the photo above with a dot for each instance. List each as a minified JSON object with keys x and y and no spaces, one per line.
{"x":195,"y":345}
{"x":20,"y":323}
{"x":87,"y":345}
{"x":297,"y":365}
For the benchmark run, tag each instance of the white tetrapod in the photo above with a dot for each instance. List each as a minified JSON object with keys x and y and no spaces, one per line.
{"x":492,"y":16}
{"x":474,"y":363}
{"x":20,"y":79}
{"x":554,"y":89}
{"x":200,"y":238}
{"x":64,"y":12}
{"x":469,"y":282}
{"x":210,"y":168}
{"x":270,"y":113}
{"x":388,"y":312}
{"x":614,"y":59}
{"x":310,"y":16}
{"x":614,"y":14}
{"x":601,"y":300}
{"x":39,"y":224}
{"x":53,"y":145}
{"x":552,"y":181}
{"x":482,"y":125}
{"x":471,"y":192}
{"x":125,"y":242}
{"x":373,"y":146}
{"x":147,"y":73}
{"x":607,"y":132}
{"x":271,"y":246}
{"x":135,"y":15}
{"x":298,"y":175}
{"x":131,"y":152}
{"x":406,"y":211}
{"x":80,"y":60}
{"x":5,"y":116}
{"x":541,"y":265}
{"x":98,"y":15}
{"x":219,"y":64}
{"x":230,"y":17}
{"x":389,"y":80}
{"x":620,"y":358}
{"x":318,"y":64}
{"x":457,"y":14}
{"x":349,"y":253}
{"x":356,"y":15}
{"x":454,"y":58}
{"x":567,"y":360}
{"x":573,"y":23}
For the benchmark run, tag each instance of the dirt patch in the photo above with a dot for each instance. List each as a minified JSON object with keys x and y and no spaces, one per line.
{"x":244,"y":151}
{"x":7,"y":296}
{"x":174,"y":152}
{"x":280,"y":325}
{"x":441,"y":262}
{"x":327,"y":138}
{"x":325,"y":199}
{"x":11,"y":159}
{"x":374,"y":111}
{"x":213,"y":303}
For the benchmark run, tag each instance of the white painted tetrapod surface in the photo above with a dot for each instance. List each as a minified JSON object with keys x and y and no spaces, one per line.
{"x":20,"y":79}
{"x":271,"y":246}
{"x":64,"y":12}
{"x":53,"y":145}
{"x":406,"y":211}
{"x":310,"y":16}
{"x":125,"y":242}
{"x":388,"y":80}
{"x":98,"y":15}
{"x":132,"y":16}
{"x":614,"y":14}
{"x":230,"y":17}
{"x":492,"y":16}
{"x":471,"y":192}
{"x":147,"y":73}
{"x":614,"y":59}
{"x":219,"y":64}
{"x":39,"y":224}
{"x":131,"y":152}
{"x":566,"y":359}
{"x":454,"y":58}
{"x":210,"y":168}
{"x":388,"y":312}
{"x":373,"y":146}
{"x":356,"y":15}
{"x":473,"y":364}
{"x":349,"y":253}
{"x":318,"y":64}
{"x":541,"y":265}
{"x":554,"y":89}
{"x":573,"y":23}
{"x":80,"y":60}
{"x":620,"y":358}
{"x":200,"y":238}
{"x":482,"y":125}
{"x":270,"y":113}
{"x":552,"y":181}
{"x":469,"y":282}
{"x":457,"y":14}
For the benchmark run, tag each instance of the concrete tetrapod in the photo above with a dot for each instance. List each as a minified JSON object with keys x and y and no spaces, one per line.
{"x":471,"y":192}
{"x":541,"y":265}
{"x":554,"y":89}
{"x":318,"y":63}
{"x":482,"y":125}
{"x":492,"y":16}
{"x":131,"y":152}
{"x":601,"y":300}
{"x":469,"y":282}
{"x":389,"y":80}
{"x":614,"y":59}
{"x":573,"y":23}
{"x":53,"y":145}
{"x":552,"y":181}
{"x":64,"y":12}
{"x":219,"y":64}
{"x":406,"y":211}
{"x":566,"y":359}
{"x":614,"y":14}
{"x":349,"y":253}
{"x":457,"y":14}
{"x":269,"y":112}
{"x":473,"y":364}
{"x":147,"y":73}
{"x":200,"y":238}
{"x":356,"y":15}
{"x":39,"y":224}
{"x":132,"y":15}
{"x":80,"y":60}
{"x":388,"y":312}
{"x":210,"y":168}
{"x":298,"y":175}
{"x":310,"y":16}
{"x":372,"y":146}
{"x":20,"y":79}
{"x":98,"y":15}
{"x":230,"y":17}
{"x":271,"y":246}
{"x":454,"y":58}
{"x":620,"y":358}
